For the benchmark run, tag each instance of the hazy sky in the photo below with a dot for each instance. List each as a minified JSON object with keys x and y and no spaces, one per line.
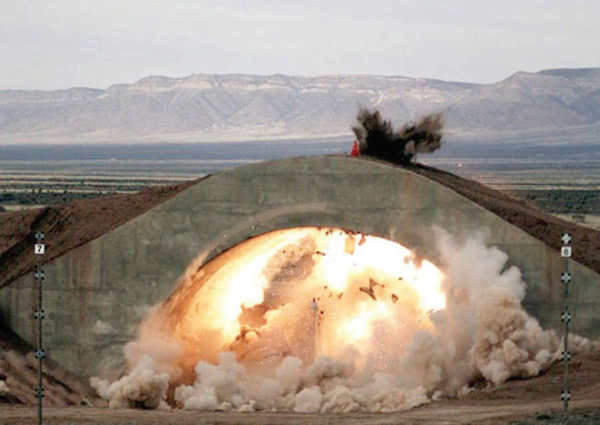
{"x":50,"y":44}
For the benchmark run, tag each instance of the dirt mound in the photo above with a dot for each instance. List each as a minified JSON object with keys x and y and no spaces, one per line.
{"x":542,"y":226}
{"x":19,"y":376}
{"x":70,"y":225}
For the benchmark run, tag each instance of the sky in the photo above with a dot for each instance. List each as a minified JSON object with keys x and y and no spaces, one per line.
{"x":59,"y":44}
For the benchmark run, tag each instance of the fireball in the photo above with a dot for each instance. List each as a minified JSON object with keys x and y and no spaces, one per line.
{"x":305,"y":292}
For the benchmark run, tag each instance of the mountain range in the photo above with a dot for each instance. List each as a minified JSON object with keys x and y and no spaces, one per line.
{"x":206,"y":107}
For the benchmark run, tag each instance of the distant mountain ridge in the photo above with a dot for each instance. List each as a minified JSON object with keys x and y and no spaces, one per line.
{"x":206,"y":107}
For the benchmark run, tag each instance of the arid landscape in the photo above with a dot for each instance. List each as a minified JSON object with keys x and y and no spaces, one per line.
{"x":300,"y":212}
{"x":74,"y":201}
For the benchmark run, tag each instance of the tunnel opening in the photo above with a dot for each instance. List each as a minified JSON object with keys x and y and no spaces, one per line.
{"x":305,"y":292}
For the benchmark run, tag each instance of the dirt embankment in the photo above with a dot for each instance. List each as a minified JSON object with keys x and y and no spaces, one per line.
{"x":545,"y":227}
{"x":70,"y":225}
{"x":19,"y":376}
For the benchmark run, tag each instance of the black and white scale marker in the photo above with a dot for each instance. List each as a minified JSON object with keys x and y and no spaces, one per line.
{"x":39,"y":249}
{"x":566,"y":278}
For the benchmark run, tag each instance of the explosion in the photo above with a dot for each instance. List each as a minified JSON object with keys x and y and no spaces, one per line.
{"x":326,"y":320}
{"x":377,"y":138}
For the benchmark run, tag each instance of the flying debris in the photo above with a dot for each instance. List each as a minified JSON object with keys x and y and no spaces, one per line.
{"x":369,"y":291}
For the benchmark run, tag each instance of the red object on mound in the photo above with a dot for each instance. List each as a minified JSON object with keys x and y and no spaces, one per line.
{"x":355,"y":149}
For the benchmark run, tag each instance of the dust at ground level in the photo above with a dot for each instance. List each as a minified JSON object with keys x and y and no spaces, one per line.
{"x":585,"y":412}
{"x":519,"y":401}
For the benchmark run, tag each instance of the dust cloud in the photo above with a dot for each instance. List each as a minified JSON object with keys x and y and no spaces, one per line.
{"x":324,"y":320}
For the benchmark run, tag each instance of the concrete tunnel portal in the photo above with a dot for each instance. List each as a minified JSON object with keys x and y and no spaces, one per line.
{"x":101,"y":291}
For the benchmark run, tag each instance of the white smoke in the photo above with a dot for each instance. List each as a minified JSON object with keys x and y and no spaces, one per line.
{"x":141,"y":388}
{"x":103,"y":328}
{"x":484,"y":331}
{"x":4,"y":388}
{"x":325,"y":386}
{"x":579,"y":344}
{"x":483,"y":334}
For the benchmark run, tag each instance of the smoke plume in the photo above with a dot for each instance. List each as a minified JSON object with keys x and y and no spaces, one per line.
{"x":377,"y":138}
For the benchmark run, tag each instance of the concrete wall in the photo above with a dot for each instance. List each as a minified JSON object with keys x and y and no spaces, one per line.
{"x":96,"y":295}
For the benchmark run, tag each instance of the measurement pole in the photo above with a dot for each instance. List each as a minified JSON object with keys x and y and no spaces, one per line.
{"x":39,"y":250}
{"x":565,"y":253}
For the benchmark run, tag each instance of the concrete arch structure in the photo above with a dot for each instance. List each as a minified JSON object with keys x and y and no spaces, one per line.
{"x":97,"y":294}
